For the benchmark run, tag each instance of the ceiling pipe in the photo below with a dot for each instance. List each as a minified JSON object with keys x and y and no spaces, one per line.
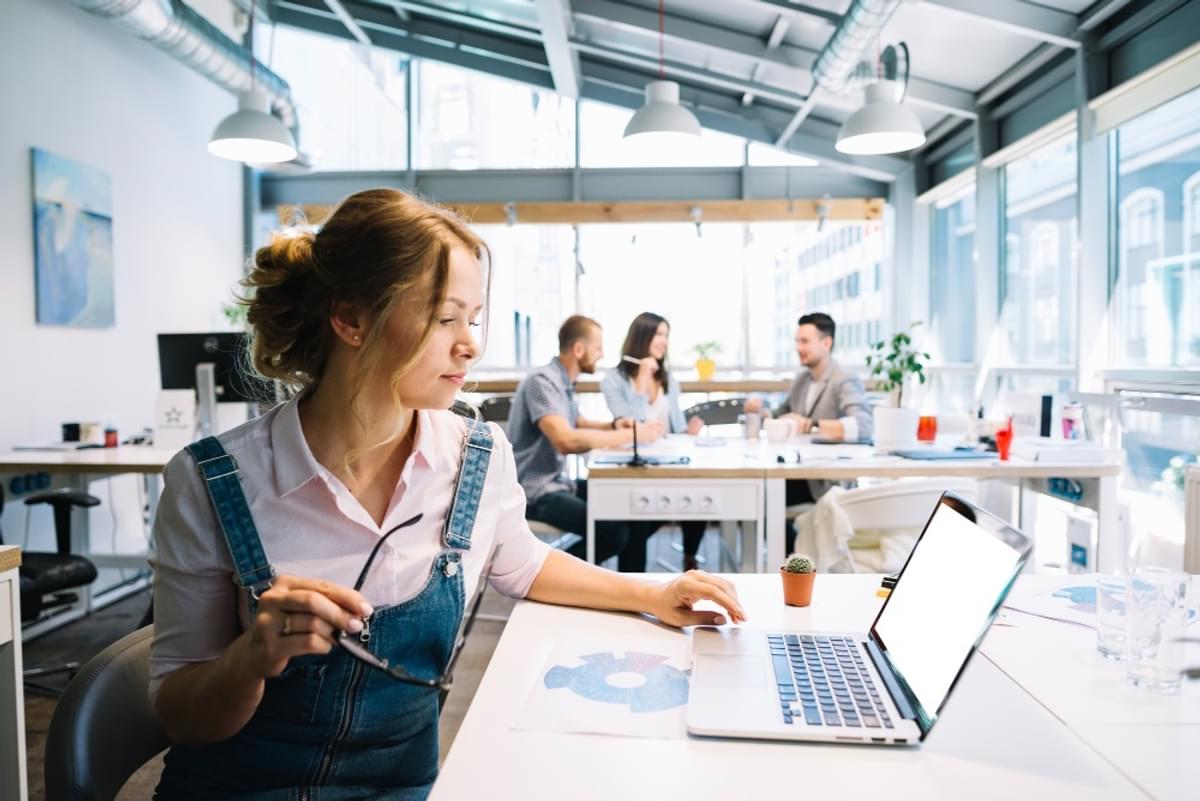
{"x":179,"y":31}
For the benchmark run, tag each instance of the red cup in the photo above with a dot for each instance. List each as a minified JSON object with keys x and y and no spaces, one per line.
{"x":1004,"y":439}
{"x":927,"y":428}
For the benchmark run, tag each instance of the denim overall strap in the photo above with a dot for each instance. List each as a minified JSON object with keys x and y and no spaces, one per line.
{"x":472,"y":470}
{"x":220,"y":473}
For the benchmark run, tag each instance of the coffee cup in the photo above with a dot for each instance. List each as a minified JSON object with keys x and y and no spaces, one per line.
{"x":779,"y":430}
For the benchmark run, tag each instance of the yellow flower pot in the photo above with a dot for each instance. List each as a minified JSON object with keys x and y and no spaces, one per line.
{"x":705,"y":369}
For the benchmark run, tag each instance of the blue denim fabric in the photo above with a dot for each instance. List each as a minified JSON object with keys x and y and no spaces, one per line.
{"x":329,"y":727}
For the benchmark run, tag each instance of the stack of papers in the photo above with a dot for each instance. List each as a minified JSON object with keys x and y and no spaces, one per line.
{"x":1072,"y":451}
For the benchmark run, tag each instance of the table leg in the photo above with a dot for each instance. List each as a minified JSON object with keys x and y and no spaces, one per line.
{"x":775,"y":514}
{"x":591,"y":533}
{"x":1111,"y":548}
{"x":13,"y":780}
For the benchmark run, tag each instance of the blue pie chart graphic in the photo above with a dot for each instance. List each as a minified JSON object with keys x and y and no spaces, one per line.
{"x":664,"y":687}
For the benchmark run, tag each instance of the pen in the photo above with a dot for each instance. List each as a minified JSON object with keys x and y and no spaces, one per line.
{"x":627,"y":358}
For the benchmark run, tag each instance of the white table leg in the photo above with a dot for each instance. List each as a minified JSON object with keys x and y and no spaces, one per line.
{"x":1111,"y":549}
{"x":775,"y":514}
{"x":591,"y":532}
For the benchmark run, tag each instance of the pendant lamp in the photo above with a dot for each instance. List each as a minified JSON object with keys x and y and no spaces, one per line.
{"x":882,"y":125}
{"x":662,"y":117}
{"x":252,"y":134}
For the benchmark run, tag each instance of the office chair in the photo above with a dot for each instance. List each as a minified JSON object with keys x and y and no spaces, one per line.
{"x":104,"y":727}
{"x":48,"y":578}
{"x":718,"y":412}
{"x":496,"y":408}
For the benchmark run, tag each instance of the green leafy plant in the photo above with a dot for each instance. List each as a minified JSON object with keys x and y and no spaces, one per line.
{"x":799,"y":563}
{"x":892,"y":362}
{"x":1174,"y":475}
{"x":235,"y":313}
{"x":706,"y":350}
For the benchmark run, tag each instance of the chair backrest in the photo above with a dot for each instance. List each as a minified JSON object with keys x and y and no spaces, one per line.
{"x":104,"y":727}
{"x":717,"y":412}
{"x":905,"y":503}
{"x":496,"y":408}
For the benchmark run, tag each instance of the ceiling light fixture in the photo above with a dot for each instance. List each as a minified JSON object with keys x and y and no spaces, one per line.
{"x":252,"y":134}
{"x":883,"y":125}
{"x":662,"y":116}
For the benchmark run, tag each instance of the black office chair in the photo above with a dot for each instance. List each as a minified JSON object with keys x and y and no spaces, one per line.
{"x":496,"y":408}
{"x":47,"y":579}
{"x":104,"y":728}
{"x":718,"y":412}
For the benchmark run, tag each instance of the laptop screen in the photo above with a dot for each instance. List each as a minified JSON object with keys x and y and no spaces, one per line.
{"x":953,"y":583}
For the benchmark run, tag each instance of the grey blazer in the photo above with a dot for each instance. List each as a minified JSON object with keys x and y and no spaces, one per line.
{"x":841,"y":396}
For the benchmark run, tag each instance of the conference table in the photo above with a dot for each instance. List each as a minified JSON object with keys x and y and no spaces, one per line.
{"x":734,"y":479}
{"x":1037,"y":714}
{"x":77,"y":469}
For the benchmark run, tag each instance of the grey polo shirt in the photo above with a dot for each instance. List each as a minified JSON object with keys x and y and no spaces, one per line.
{"x":545,"y":391}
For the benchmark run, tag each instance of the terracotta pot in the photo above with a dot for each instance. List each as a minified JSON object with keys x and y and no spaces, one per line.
{"x":705,"y":369}
{"x":797,"y":587}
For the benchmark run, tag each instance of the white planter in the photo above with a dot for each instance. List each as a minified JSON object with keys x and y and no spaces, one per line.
{"x":895,"y":428}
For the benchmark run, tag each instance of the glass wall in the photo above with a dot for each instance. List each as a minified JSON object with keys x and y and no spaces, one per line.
{"x":1156,"y":301}
{"x":467,"y":120}
{"x":1038,"y":287}
{"x":952,"y":311}
{"x":350,"y":99}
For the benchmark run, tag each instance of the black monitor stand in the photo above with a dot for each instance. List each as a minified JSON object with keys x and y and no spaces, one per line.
{"x":636,"y":461}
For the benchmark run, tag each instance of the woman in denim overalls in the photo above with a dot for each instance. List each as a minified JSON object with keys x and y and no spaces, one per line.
{"x":371,"y":318}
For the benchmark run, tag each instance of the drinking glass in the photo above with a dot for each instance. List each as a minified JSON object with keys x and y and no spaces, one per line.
{"x":1111,"y":619}
{"x":1157,"y":621}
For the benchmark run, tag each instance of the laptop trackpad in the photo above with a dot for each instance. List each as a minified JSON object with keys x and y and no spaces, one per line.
{"x":729,"y":671}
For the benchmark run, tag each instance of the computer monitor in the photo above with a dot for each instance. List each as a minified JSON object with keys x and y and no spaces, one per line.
{"x":214,"y":364}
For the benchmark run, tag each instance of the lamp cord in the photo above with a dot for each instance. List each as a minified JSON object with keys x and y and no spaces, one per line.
{"x":662,"y":33}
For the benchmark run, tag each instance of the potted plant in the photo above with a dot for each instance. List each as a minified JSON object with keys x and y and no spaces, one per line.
{"x":798,"y":574}
{"x":893,"y":363}
{"x":705,"y":366}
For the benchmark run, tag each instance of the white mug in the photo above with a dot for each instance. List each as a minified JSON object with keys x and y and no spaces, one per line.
{"x":779,"y":430}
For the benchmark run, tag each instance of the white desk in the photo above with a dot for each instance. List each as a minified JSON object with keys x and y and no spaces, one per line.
{"x":78,"y":468}
{"x":13,"y":782}
{"x":725,"y":474}
{"x":994,"y":740}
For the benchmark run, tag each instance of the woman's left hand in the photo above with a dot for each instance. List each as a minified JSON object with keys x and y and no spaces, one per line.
{"x":672,"y":602}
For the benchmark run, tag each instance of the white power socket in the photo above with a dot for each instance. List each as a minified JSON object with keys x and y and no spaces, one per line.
{"x":662,"y":501}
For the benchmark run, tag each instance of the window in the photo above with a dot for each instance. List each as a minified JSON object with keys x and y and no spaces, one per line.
{"x":761,"y":155}
{"x":1156,"y":299}
{"x":350,"y":100}
{"x":467,"y":120}
{"x":952,"y":279}
{"x":602,"y":144}
{"x":1039,"y":272}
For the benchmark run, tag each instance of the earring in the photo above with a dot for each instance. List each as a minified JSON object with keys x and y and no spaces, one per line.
{"x":357,"y":338}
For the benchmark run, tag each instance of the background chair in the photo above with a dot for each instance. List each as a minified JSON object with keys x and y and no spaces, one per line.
{"x":104,"y":727}
{"x":48,"y":579}
{"x":496,"y":409}
{"x":717,"y":412}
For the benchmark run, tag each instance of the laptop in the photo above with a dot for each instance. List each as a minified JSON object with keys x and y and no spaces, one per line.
{"x":886,"y":686}
{"x":943,"y":454}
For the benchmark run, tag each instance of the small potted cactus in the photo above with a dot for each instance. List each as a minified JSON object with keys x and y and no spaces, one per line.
{"x":798,"y":574}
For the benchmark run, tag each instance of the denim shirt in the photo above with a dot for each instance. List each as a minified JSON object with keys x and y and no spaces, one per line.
{"x":624,"y":401}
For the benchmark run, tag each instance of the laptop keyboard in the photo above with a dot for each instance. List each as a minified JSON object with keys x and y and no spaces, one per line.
{"x":823,"y":681}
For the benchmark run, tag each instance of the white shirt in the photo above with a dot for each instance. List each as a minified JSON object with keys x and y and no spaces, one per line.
{"x":849,"y":424}
{"x":660,"y":411}
{"x":312,"y":526}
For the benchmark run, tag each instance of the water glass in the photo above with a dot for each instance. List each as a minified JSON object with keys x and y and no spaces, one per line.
{"x":1111,"y":620}
{"x":1157,"y":621}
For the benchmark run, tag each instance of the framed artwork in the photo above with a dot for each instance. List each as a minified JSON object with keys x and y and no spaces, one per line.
{"x":72,"y":235}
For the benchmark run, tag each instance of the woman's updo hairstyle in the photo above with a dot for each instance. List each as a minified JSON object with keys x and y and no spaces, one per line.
{"x":380,"y":248}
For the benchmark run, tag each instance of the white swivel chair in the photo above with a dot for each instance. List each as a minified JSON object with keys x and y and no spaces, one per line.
{"x":556,"y":537}
{"x":885,"y":520}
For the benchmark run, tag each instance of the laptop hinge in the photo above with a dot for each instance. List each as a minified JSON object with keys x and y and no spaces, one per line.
{"x":898,"y":692}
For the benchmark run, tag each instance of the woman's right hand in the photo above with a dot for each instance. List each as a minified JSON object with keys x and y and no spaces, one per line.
{"x":300,"y":616}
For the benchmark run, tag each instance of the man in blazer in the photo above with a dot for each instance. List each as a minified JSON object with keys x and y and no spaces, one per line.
{"x":825,"y":399}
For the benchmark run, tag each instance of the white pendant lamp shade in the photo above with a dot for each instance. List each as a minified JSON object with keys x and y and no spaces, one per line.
{"x":662,"y":113}
{"x":882,"y":125}
{"x":252,"y":134}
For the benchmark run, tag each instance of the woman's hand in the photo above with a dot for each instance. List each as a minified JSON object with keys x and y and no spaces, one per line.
{"x":695,"y":425}
{"x":300,"y":616}
{"x":672,"y":602}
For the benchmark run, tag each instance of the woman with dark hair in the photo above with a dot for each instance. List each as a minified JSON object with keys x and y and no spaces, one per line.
{"x":643,"y":389}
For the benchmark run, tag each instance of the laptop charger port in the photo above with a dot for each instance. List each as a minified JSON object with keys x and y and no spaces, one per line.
{"x":879,"y":739}
{"x":849,"y":739}
{"x":899,"y":740}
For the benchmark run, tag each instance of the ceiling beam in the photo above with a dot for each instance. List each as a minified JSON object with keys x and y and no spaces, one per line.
{"x":795,"y":62}
{"x":555,"y":19}
{"x":344,"y":17}
{"x":1059,"y":28}
{"x":1029,"y":66}
{"x":778,"y":31}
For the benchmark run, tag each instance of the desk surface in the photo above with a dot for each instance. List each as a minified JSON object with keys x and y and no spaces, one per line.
{"x":505,"y":385}
{"x":994,"y":740}
{"x":10,"y":557}
{"x":740,"y":458}
{"x":125,"y":459}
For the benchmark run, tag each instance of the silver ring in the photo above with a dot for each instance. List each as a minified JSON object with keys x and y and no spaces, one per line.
{"x":287,"y":625}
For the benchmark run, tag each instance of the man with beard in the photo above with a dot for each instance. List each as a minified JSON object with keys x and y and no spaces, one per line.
{"x":545,"y":425}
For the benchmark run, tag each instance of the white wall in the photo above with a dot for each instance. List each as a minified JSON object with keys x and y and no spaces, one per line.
{"x":84,"y":88}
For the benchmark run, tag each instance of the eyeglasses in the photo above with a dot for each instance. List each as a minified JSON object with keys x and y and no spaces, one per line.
{"x":354,"y":646}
